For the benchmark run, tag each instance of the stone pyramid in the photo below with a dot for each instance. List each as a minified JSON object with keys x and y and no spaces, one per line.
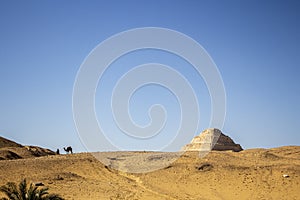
{"x":212,"y":139}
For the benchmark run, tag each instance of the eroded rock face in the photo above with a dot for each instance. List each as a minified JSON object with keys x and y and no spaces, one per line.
{"x":11,"y":150}
{"x":212,"y":139}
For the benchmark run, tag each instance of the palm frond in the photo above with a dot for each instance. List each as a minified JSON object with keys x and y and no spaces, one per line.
{"x":52,"y":197}
{"x":22,"y":189}
{"x":10,"y":190}
{"x":43,"y":191}
{"x":32,"y":193}
{"x":23,"y":192}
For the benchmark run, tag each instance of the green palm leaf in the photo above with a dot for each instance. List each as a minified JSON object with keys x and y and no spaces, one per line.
{"x":23,"y":192}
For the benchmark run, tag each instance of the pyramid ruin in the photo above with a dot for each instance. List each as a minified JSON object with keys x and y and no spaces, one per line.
{"x":212,"y":139}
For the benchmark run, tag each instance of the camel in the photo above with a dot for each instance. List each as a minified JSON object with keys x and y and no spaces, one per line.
{"x":68,"y":149}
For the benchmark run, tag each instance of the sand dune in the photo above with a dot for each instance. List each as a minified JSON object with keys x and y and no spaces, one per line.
{"x":249,"y":174}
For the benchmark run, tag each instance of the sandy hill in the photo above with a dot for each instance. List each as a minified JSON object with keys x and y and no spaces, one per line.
{"x":11,"y":150}
{"x":248,"y":174}
{"x":8,"y":143}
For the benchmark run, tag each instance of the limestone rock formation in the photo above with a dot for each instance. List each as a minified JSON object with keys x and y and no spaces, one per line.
{"x":11,"y":150}
{"x":212,"y":139}
{"x":8,"y":143}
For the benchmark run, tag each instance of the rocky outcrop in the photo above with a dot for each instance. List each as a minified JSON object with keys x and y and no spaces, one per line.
{"x":10,"y":150}
{"x":8,"y":143}
{"x":212,"y":139}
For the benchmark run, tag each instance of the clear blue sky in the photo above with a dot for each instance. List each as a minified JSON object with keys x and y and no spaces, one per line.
{"x":255,"y":44}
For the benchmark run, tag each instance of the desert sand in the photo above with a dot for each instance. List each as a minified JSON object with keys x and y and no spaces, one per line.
{"x":249,"y":174}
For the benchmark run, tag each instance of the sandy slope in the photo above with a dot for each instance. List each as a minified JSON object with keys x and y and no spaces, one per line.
{"x":250,"y":174}
{"x":10,"y":150}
